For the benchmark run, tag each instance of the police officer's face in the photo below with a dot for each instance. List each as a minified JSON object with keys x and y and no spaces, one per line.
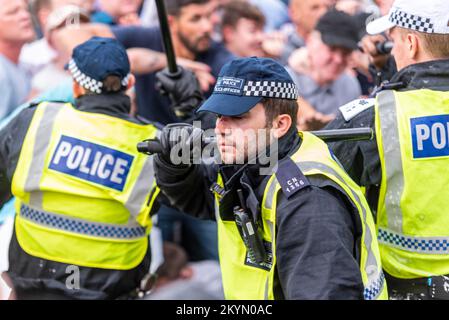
{"x":402,"y":49}
{"x":193,"y":27}
{"x":15,"y":22}
{"x":238,"y":137}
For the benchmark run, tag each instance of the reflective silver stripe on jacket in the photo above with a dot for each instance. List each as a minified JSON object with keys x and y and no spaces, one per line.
{"x":270,"y":193}
{"x":393,"y":234}
{"x":394,"y":172}
{"x":270,"y":225}
{"x":143,"y":186}
{"x":375,"y":278}
{"x":140,"y":189}
{"x":41,"y":143}
{"x":267,"y":287}
{"x":82,"y":227}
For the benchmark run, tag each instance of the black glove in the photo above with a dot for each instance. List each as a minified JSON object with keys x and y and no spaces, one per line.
{"x":180,"y":143}
{"x":183,"y":89}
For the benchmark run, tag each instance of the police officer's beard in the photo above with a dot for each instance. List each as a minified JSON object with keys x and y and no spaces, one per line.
{"x":193,"y":46}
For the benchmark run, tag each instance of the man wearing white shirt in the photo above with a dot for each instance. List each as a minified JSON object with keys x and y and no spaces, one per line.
{"x":16,"y":29}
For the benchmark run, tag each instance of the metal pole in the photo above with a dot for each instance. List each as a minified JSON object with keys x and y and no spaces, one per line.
{"x":357,"y":134}
{"x":166,"y":37}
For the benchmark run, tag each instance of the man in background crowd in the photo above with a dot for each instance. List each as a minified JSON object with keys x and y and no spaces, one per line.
{"x":38,"y":54}
{"x":16,"y":29}
{"x":323,"y":82}
{"x":191,"y":29}
{"x":113,"y":12}
{"x":242,"y":29}
{"x":304,"y":15}
{"x":53,"y":73}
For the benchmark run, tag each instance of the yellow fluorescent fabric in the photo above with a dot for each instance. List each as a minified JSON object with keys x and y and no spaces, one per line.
{"x":412,"y":132}
{"x":84,"y":193}
{"x":242,"y":281}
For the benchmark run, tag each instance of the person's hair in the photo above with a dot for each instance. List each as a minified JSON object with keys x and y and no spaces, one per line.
{"x":111,"y":84}
{"x":237,"y":9}
{"x":274,"y":107}
{"x":174,"y":7}
{"x":435,"y":44}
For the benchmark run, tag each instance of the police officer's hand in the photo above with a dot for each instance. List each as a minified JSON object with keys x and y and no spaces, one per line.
{"x":183,"y":89}
{"x":179,"y":143}
{"x":368,"y":44}
{"x":310,"y":119}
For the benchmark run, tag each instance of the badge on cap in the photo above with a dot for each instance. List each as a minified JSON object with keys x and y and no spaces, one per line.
{"x":229,"y":85}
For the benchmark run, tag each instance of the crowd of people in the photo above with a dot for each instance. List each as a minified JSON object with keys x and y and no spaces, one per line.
{"x":206,"y":36}
{"x":65,"y":51}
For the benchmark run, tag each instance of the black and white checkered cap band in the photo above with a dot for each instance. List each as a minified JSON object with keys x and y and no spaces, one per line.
{"x":271,"y":89}
{"x":87,"y":82}
{"x":411,"y":21}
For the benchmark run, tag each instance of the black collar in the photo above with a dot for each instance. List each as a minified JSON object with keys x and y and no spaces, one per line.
{"x":427,"y":75}
{"x":114,"y":104}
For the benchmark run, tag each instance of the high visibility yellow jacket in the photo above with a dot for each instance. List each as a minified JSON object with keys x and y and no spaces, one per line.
{"x":412,"y":130}
{"x":243,"y":280}
{"x":84,"y":193}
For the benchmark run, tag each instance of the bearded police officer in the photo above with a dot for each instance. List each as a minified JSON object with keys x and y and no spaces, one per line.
{"x":404,"y":171}
{"x":299,"y":228}
{"x":83,"y":204}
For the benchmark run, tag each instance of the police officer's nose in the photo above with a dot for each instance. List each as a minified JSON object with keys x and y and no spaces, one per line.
{"x":220,"y":126}
{"x":223,"y":126}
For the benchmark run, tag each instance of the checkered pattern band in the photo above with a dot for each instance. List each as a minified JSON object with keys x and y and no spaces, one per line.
{"x":125,"y":80}
{"x":63,"y":223}
{"x":414,"y":244}
{"x":87,"y":82}
{"x":375,"y":288}
{"x":411,"y":21}
{"x":271,"y":89}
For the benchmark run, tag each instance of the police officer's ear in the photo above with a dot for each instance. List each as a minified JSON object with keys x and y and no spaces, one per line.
{"x":281,"y":124}
{"x":413,"y":44}
{"x":78,"y":90}
{"x":131,"y":82}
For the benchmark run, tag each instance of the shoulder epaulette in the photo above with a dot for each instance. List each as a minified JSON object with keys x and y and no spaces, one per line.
{"x":291,"y":178}
{"x":353,"y":108}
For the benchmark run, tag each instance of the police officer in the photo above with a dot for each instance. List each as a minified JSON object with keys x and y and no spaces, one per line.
{"x":301,"y":231}
{"x":84,"y":198}
{"x":404,"y":169}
